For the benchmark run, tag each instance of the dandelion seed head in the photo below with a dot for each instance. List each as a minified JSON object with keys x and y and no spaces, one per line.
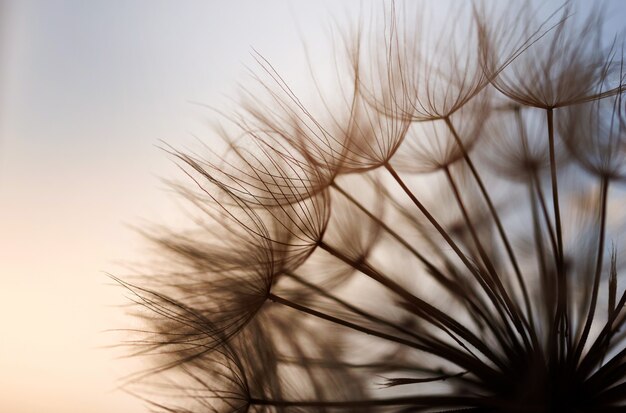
{"x":437,"y":237}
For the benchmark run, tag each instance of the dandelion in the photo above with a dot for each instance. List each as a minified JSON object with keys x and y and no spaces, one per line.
{"x":443,"y":236}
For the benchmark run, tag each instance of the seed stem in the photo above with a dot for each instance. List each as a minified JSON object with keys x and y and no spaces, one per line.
{"x":598,"y":271}
{"x":496,"y":217}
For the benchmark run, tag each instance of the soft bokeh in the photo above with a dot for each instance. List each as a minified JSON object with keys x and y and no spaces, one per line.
{"x":87,"y":91}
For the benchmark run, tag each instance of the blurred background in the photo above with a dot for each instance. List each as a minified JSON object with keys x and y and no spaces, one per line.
{"x":88,"y":89}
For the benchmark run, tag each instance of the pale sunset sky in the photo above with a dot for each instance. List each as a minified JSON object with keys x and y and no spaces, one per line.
{"x":88,"y":89}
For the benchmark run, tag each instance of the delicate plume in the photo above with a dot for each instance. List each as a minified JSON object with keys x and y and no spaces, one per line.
{"x":441,"y":234}
{"x":564,"y":60}
{"x":595,"y":133}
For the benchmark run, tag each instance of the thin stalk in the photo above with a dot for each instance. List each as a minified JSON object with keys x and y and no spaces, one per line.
{"x":557,"y":321}
{"x":452,"y":401}
{"x":598,"y":272}
{"x":547,"y":285}
{"x":594,"y":356}
{"x":496,"y":218}
{"x":561,"y":290}
{"x":438,"y":275}
{"x":372,"y":317}
{"x":516,"y":316}
{"x":336,"y":364}
{"x":599,"y":378}
{"x":555,"y":186}
{"x":350,"y":307}
{"x":457,"y":357}
{"x":280,"y":300}
{"x":431,"y":218}
{"x":475,"y":304}
{"x":470,"y":226}
{"x":487,"y":286}
{"x":416,"y":305}
{"x":546,"y":215}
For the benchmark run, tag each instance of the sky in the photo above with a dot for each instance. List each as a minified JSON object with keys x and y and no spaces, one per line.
{"x":88,"y":90}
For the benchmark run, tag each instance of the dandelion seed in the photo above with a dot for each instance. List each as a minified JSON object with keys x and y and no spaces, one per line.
{"x":444,"y":227}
